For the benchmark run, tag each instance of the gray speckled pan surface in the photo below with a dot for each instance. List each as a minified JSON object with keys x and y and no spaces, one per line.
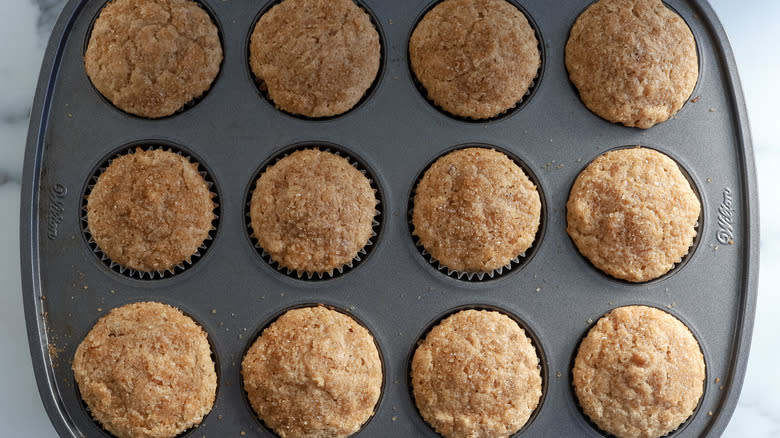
{"x":395,"y":132}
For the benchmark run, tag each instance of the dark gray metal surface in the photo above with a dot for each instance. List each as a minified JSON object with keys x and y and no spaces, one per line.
{"x":232,"y":292}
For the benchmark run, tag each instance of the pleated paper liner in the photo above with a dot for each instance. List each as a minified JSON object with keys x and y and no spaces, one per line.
{"x":185,"y":264}
{"x":516,"y":263}
{"x":376,"y":226}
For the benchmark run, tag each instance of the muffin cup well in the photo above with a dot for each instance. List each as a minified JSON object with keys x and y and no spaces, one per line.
{"x":262,"y":89}
{"x":184,"y":264}
{"x":267,"y":323}
{"x":376,"y":225}
{"x":574,"y":400}
{"x":518,"y":261}
{"x":529,"y":332}
{"x":519,"y":105}
{"x":98,"y":427}
{"x":699,"y":226}
{"x":694,"y":95}
{"x":202,"y":4}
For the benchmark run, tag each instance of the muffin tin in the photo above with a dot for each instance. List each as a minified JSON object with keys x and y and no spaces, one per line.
{"x":395,"y":133}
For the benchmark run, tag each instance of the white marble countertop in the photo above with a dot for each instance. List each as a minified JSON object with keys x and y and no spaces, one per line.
{"x":752,"y":28}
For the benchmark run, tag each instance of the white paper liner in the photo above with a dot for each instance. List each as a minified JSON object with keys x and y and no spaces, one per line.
{"x":335,"y":272}
{"x":134,"y":273}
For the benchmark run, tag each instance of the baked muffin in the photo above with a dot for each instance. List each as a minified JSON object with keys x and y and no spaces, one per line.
{"x":315,"y":58}
{"x":633,"y":214}
{"x":145,"y":371}
{"x":150,"y":211}
{"x":476,"y":374}
{"x":639,"y":373}
{"x":312,"y":212}
{"x":151,"y":57}
{"x":475,"y":210}
{"x":633,"y":61}
{"x":314,"y":372}
{"x":475,"y":58}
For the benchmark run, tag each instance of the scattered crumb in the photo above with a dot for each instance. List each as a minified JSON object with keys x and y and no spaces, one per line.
{"x":395,"y":417}
{"x":54,"y":353}
{"x":709,"y":413}
{"x":213,"y":311}
{"x":589,"y":321}
{"x":538,"y":289}
{"x":709,"y":180}
{"x":558,"y":374}
{"x":717,"y":380}
{"x":390,"y":21}
{"x":712,"y":110}
{"x":695,"y":99}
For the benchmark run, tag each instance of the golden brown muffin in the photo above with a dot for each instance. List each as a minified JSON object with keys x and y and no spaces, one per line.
{"x":150,"y":210}
{"x":312,"y":211}
{"x":639,"y":373}
{"x":633,"y":61}
{"x":476,"y":374}
{"x":475,"y":58}
{"x":314,"y":372}
{"x":151,"y":57}
{"x":145,"y":371}
{"x":316,"y":58}
{"x":475,"y":210}
{"x":633,"y":214}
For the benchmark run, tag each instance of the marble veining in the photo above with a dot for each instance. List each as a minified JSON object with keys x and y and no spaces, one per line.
{"x":25,"y":33}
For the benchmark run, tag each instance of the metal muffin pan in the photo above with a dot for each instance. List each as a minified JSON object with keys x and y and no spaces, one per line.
{"x":395,"y":132}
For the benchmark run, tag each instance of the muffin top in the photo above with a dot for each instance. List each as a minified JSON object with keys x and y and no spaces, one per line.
{"x":633,"y":213}
{"x":476,"y":374}
{"x":312,"y":211}
{"x":639,"y":373}
{"x":151,"y":57}
{"x":314,"y":372}
{"x":316,"y":58}
{"x":633,"y":61}
{"x":150,"y":210}
{"x":475,"y":210}
{"x":475,"y":58}
{"x":145,"y":371}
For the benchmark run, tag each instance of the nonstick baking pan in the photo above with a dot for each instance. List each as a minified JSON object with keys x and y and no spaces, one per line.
{"x":394,"y":134}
